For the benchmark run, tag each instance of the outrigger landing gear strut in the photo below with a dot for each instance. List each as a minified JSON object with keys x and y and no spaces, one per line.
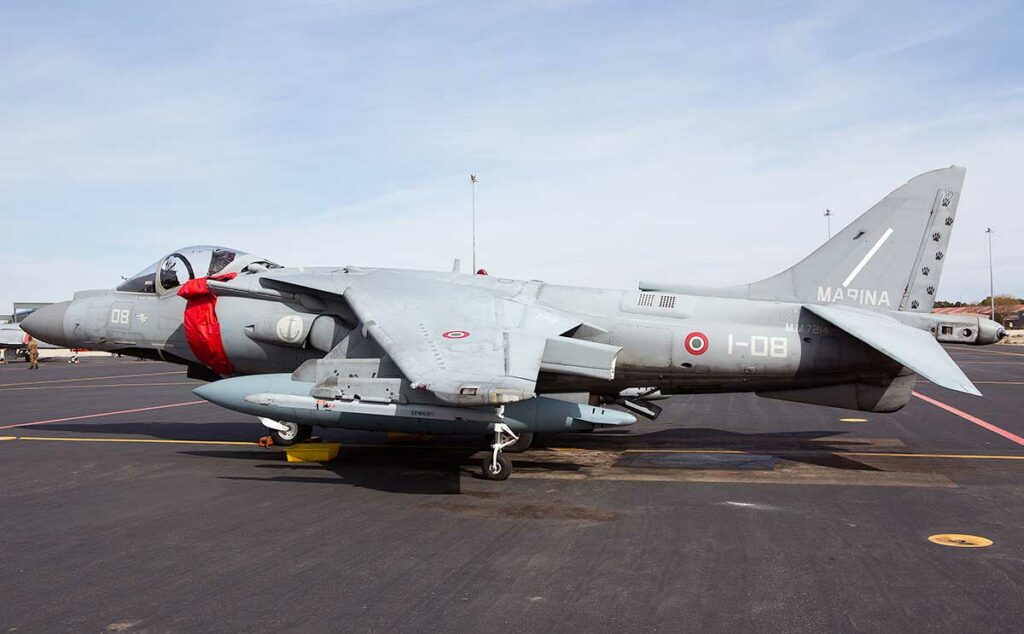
{"x":497,"y":466}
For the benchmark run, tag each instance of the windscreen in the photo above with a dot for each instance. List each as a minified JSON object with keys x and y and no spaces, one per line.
{"x":141,"y":282}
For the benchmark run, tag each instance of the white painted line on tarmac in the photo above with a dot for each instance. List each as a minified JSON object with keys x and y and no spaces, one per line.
{"x":101,"y":414}
{"x":91,"y":378}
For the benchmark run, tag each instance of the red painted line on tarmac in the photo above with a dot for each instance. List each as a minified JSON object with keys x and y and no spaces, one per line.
{"x":123,"y":411}
{"x":973,"y":419}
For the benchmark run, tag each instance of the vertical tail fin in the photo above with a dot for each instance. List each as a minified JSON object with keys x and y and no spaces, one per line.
{"x":887,"y":259}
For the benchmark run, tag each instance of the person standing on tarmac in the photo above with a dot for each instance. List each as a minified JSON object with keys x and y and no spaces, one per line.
{"x":33,"y":353}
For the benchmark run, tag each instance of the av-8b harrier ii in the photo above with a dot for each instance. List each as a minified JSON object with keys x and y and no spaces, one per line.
{"x":437,"y":352}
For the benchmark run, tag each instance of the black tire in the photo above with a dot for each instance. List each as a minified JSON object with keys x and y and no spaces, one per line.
{"x":296,"y":434}
{"x":503,"y":471}
{"x":521,"y":445}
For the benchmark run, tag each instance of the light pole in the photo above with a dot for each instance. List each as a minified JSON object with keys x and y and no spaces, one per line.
{"x":991,"y":278}
{"x":828,"y":219}
{"x":472,"y":184}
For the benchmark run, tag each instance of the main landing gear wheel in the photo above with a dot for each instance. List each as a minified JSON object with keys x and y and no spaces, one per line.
{"x":521,"y":445}
{"x":295,"y":434}
{"x":497,"y":466}
{"x":525,"y":442}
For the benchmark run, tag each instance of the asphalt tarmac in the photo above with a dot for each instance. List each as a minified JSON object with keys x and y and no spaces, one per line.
{"x":127,"y":505}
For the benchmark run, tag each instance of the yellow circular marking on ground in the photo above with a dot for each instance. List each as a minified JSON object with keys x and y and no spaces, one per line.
{"x":960,"y":541}
{"x":853,"y":420}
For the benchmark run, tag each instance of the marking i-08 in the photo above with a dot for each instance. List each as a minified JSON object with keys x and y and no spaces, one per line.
{"x":759,"y":345}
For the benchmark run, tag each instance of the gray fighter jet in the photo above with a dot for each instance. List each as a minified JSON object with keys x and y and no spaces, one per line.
{"x":442,"y":352}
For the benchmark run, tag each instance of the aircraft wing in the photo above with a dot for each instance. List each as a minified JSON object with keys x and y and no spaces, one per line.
{"x":916,"y":349}
{"x":468,"y":344}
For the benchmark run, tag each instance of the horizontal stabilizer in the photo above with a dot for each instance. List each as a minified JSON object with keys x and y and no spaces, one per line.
{"x":916,"y":349}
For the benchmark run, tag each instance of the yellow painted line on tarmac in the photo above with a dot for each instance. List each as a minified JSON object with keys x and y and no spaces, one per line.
{"x":1004,"y":352}
{"x":853,"y":420}
{"x":91,"y":378}
{"x":781,"y":454}
{"x":671,"y":450}
{"x":858,"y":454}
{"x":93,"y":387}
{"x":136,"y":440}
{"x":209,"y":442}
{"x":953,"y":456}
{"x":920,"y":380}
{"x":998,"y":382}
{"x":962,"y":362}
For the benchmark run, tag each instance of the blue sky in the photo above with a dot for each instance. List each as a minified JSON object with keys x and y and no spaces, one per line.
{"x":614,"y":141}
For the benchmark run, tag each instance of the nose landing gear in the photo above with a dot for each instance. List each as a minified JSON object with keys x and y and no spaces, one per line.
{"x":286,"y":433}
{"x":496,"y":466}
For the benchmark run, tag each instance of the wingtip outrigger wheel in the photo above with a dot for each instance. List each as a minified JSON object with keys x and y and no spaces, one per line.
{"x":496,"y":466}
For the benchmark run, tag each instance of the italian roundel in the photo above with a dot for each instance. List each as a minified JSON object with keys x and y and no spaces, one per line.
{"x":696,"y":343}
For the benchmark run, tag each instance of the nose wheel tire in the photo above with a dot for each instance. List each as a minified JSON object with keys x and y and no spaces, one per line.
{"x":499,"y":469}
{"x":295,"y":434}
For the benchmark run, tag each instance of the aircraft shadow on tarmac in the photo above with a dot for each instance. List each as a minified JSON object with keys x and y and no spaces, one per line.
{"x":392,"y":470}
{"x":821,"y":448}
{"x":690,"y":438}
{"x":410,"y":469}
{"x":222,"y":432}
{"x":399,"y":469}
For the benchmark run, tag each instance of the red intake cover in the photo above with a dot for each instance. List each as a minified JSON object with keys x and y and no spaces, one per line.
{"x":202,"y":330}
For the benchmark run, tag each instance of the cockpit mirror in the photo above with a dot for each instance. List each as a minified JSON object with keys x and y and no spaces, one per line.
{"x":219,"y":259}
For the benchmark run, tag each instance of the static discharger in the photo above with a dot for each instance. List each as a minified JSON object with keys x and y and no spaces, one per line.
{"x":960,"y":541}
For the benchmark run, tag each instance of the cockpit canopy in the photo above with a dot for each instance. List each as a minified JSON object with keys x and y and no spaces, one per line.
{"x":182,"y":265}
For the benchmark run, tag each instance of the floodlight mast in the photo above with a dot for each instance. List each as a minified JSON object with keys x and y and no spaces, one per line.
{"x":472,"y":183}
{"x":991,"y":277}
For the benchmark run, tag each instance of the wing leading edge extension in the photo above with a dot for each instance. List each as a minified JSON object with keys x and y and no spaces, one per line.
{"x":916,"y":349}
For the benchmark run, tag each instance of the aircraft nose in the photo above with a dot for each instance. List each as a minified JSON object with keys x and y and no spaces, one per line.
{"x":47,"y":323}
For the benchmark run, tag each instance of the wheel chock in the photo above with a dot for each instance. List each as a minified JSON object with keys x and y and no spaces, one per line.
{"x":313,"y":452}
{"x":266,"y":441}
